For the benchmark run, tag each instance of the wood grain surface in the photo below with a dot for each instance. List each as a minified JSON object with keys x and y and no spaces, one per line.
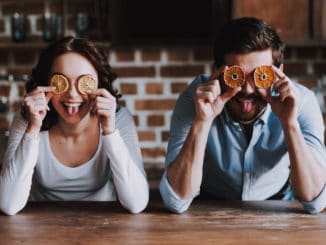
{"x":206,"y":222}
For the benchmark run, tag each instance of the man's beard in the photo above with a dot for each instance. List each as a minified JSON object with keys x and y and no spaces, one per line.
{"x":255,"y":102}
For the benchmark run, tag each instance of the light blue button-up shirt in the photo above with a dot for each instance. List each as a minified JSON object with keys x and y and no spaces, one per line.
{"x":237,"y":169}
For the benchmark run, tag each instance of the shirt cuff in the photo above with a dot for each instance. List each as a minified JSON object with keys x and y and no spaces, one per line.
{"x":171,"y":200}
{"x":318,"y":204}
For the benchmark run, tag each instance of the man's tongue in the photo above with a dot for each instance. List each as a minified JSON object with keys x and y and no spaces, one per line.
{"x":72,"y":110}
{"x":246,"y":106}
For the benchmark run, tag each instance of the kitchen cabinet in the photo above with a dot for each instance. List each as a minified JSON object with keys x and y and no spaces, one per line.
{"x":297,"y":21}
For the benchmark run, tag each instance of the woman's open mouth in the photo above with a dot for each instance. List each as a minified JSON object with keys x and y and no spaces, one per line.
{"x":72,"y":108}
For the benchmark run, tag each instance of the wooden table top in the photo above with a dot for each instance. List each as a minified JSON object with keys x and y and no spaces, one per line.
{"x":206,"y":222}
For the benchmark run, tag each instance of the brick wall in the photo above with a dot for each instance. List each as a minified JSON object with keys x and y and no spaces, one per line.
{"x":150,"y":79}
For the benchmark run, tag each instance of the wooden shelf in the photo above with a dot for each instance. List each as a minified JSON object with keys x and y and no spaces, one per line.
{"x":40,"y":45}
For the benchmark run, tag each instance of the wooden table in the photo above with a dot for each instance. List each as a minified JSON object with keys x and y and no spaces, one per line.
{"x":206,"y":222}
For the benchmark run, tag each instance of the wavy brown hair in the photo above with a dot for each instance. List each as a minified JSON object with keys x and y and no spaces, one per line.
{"x":245,"y":35}
{"x":84,"y":47}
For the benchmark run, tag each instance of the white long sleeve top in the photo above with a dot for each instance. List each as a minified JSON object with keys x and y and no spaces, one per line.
{"x":31,"y":171}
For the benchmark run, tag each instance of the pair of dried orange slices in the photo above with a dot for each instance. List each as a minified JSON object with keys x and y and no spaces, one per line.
{"x":234,"y":76}
{"x":61,"y":84}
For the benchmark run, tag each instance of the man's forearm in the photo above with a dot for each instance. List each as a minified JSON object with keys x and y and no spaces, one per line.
{"x":185,"y":173}
{"x":307,"y":175}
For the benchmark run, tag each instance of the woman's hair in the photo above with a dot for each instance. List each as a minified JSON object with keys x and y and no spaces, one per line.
{"x":245,"y":35}
{"x":84,"y":47}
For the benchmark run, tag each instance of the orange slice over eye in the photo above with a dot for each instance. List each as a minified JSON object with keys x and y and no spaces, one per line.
{"x":86,"y":83}
{"x":234,"y":76}
{"x":264,"y":76}
{"x":60,"y":83}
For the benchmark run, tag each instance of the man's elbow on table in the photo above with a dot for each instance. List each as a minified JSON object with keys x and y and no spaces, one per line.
{"x":316,"y":205}
{"x":171,"y":200}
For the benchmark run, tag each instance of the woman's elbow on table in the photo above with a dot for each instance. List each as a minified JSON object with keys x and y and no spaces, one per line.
{"x":9,"y":209}
{"x":137,"y":206}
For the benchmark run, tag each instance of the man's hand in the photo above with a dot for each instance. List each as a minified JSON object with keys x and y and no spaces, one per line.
{"x":104,"y":106}
{"x":284,"y":106}
{"x":209,"y":99}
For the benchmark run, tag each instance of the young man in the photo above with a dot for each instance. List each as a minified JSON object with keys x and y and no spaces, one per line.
{"x":246,"y":143}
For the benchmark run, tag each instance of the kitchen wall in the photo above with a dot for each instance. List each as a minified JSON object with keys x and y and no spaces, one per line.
{"x":150,"y":78}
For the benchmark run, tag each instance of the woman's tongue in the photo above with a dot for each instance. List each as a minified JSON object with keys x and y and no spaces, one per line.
{"x":72,"y":109}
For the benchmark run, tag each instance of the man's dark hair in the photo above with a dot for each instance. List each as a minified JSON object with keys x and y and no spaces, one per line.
{"x":245,"y":35}
{"x":84,"y":47}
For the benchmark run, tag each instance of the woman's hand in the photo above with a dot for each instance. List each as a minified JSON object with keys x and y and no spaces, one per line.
{"x":35,"y":105}
{"x":104,"y":106}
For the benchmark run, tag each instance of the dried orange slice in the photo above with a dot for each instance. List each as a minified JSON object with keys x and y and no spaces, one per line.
{"x":264,"y":76}
{"x":60,"y":83}
{"x":86,"y":83}
{"x":234,"y":76}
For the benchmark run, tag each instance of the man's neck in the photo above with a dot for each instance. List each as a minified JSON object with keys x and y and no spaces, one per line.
{"x":248,"y":131}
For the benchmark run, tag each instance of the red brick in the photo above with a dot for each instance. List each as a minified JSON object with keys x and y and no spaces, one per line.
{"x":154,"y":88}
{"x":151,"y":104}
{"x":24,"y":57}
{"x":153,"y":152}
{"x":154,"y":174}
{"x":179,"y":54}
{"x":136,"y":120}
{"x":178,"y":87}
{"x":151,"y":54}
{"x":155,"y":120}
{"x":165,"y":136}
{"x":134,"y":71}
{"x":320,"y":68}
{"x":124,"y":55}
{"x":4,"y":90}
{"x":306,"y":52}
{"x":4,"y":57}
{"x":146,"y":135}
{"x":122,"y":102}
{"x":128,"y":88}
{"x":181,"y":70}
{"x":4,"y":123}
{"x":293,"y":69}
{"x":204,"y":54}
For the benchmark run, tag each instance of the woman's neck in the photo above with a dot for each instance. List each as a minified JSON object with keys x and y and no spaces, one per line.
{"x":76,"y":130}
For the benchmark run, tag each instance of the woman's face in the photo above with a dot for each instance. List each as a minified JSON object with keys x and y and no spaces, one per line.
{"x":72,"y":105}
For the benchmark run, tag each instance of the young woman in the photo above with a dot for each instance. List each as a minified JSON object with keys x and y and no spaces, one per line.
{"x":72,"y":141}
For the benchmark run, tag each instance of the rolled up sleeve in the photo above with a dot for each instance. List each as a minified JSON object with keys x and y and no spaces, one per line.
{"x":318,"y":204}
{"x":171,"y":200}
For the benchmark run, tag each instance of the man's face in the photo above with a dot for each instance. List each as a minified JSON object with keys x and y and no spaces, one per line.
{"x":247,"y":105}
